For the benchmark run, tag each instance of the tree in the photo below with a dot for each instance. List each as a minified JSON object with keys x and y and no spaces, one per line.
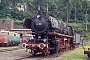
{"x":85,"y":5}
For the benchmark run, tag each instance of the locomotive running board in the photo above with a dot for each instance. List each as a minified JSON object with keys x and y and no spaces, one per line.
{"x":60,"y":34}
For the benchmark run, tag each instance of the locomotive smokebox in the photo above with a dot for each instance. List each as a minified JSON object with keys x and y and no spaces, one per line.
{"x":40,"y":24}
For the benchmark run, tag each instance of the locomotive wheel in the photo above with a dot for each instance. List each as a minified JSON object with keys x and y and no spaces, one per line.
{"x":46,"y":51}
{"x":16,"y":44}
{"x":5,"y":44}
{"x":33,"y":53}
{"x":56,"y":47}
{"x":53,"y":51}
{"x":0,"y":44}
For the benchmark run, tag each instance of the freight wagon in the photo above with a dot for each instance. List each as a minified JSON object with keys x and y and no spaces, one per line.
{"x":8,"y":38}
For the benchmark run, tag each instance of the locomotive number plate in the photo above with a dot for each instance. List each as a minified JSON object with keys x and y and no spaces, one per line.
{"x":38,"y":23}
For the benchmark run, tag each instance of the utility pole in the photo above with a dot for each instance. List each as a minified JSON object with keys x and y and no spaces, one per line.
{"x":86,"y":20}
{"x":39,"y":8}
{"x":47,"y":8}
{"x":67,"y":13}
{"x":75,"y":11}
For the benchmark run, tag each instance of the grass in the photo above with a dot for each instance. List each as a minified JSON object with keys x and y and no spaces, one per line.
{"x":76,"y":54}
{"x":19,"y":46}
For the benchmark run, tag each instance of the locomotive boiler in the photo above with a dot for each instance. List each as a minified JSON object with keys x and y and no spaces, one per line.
{"x":50,"y":35}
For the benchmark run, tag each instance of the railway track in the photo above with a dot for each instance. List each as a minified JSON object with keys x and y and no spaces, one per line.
{"x":22,"y":58}
{"x":21,"y":54}
{"x":5,"y":49}
{"x":40,"y":57}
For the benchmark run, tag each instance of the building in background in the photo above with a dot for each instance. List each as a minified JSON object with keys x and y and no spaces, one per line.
{"x":9,"y":24}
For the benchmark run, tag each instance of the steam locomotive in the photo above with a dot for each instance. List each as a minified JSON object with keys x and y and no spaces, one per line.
{"x":50,"y":35}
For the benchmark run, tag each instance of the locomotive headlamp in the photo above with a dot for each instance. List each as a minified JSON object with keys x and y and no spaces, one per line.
{"x":24,"y":45}
{"x":45,"y":40}
{"x":38,"y":16}
{"x":42,"y":45}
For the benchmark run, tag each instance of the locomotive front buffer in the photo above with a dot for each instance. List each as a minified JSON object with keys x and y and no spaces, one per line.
{"x":38,"y":45}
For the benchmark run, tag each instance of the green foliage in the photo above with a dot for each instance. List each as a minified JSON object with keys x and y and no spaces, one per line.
{"x":19,"y":21}
{"x":21,"y":9}
{"x":18,"y":14}
{"x":57,"y":8}
{"x":76,"y":54}
{"x":81,"y":30}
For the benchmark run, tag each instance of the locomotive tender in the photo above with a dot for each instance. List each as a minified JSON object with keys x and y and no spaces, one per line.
{"x":50,"y":35}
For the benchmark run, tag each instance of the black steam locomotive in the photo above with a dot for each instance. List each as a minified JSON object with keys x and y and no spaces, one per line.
{"x":45,"y":40}
{"x":43,"y":23}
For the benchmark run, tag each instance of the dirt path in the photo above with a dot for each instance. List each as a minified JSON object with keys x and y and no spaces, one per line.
{"x":21,"y":54}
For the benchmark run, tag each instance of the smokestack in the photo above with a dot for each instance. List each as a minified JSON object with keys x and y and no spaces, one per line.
{"x":47,"y":7}
{"x":38,"y":8}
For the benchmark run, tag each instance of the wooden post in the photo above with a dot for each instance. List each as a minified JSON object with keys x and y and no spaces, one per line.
{"x":86,"y":20}
{"x":75,"y":12}
{"x":67,"y":13}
